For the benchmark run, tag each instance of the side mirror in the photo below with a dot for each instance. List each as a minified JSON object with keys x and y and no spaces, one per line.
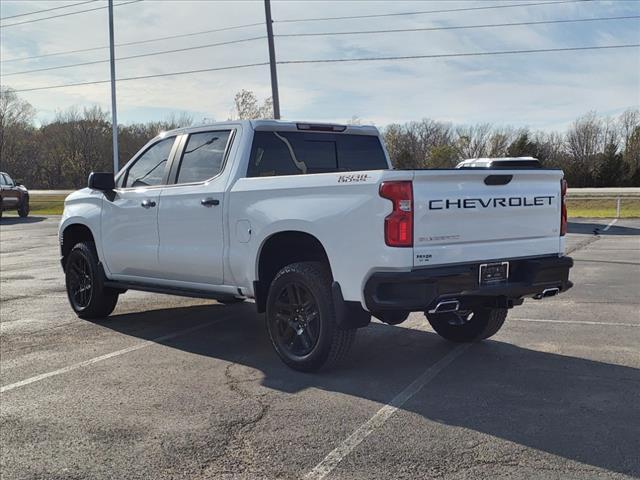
{"x":102,"y":181}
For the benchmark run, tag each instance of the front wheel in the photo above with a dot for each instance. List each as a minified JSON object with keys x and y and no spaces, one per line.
{"x":301,"y":318}
{"x":468,"y":326}
{"x":87,"y":294}
{"x":23,"y":209}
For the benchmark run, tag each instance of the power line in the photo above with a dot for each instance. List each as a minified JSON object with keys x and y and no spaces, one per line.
{"x":67,"y":14}
{"x":137,"y":42}
{"x":48,"y":9}
{"x":458,"y":27}
{"x":151,"y":54}
{"x":424,"y":12}
{"x":202,"y":32}
{"x":336,"y":60}
{"x":162,"y":52}
{"x":125,"y":79}
{"x":453,"y":55}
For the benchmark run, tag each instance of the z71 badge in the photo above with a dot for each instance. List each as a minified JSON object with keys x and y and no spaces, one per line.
{"x":423,"y":257}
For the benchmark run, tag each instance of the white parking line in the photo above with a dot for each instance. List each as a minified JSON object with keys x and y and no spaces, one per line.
{"x":611,"y":224}
{"x":578,"y":322}
{"x":330,"y":462}
{"x":106,"y":356}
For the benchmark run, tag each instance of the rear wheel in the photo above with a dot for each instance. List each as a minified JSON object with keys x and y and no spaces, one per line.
{"x":23,"y":209}
{"x":87,"y":294}
{"x":301,"y":319}
{"x":469,"y":325}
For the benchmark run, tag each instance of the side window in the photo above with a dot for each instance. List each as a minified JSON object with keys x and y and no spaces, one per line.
{"x":271,"y":156}
{"x":8,"y":180}
{"x":149,"y":169}
{"x":3,"y":182}
{"x":203,"y":156}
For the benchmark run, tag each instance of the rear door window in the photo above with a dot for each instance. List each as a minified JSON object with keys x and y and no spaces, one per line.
{"x":203,"y":156}
{"x":294,"y":153}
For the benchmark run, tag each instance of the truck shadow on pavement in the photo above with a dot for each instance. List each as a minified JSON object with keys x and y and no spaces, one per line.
{"x":577,"y":409}
{"x":593,"y":228}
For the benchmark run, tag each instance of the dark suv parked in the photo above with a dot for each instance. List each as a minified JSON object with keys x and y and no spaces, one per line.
{"x":13,"y":196}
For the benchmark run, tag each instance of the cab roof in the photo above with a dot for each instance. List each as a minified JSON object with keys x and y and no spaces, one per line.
{"x":282,"y":125}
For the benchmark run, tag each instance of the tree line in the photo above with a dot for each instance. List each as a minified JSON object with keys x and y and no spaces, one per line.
{"x":594,"y":152}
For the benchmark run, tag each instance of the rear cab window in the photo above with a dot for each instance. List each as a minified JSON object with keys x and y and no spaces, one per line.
{"x":276,"y":153}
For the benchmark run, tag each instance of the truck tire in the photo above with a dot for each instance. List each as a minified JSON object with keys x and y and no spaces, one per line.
{"x":87,"y":294}
{"x":301,"y":318}
{"x":480,"y":324}
{"x":23,"y":209}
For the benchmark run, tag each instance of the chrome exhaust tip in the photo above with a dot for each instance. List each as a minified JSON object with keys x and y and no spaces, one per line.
{"x":547,"y":292}
{"x":446,"y":306}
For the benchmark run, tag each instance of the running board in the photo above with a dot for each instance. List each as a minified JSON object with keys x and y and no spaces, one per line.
{"x":180,"y":292}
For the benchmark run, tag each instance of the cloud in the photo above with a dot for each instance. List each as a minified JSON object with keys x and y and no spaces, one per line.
{"x":537,"y":90}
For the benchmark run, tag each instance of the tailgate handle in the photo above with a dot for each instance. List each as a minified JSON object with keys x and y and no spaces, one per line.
{"x":497,"y":179}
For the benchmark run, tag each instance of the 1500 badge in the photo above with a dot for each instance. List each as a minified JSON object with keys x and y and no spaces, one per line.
{"x":358,"y":177}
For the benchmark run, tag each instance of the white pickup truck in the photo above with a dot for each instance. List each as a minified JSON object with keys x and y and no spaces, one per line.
{"x":313,"y":223}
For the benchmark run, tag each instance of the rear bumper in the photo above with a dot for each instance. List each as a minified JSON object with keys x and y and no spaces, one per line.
{"x":422,"y":288}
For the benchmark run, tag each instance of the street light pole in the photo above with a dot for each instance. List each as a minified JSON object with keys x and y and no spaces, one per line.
{"x":114,"y":114}
{"x":272,"y":60}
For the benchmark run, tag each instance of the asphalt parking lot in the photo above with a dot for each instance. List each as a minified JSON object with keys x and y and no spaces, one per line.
{"x":182,"y":388}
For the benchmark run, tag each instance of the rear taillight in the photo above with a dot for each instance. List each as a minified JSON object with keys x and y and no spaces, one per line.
{"x":398,"y":226}
{"x":563,"y":207}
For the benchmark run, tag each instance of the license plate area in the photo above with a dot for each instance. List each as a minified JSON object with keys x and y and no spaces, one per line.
{"x":491,"y":273}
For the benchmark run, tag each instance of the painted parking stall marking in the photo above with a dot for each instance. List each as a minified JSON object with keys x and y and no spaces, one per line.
{"x":322,"y":469}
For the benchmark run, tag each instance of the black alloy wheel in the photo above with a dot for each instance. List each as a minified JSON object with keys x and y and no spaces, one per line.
{"x":301,"y":318}
{"x":87,"y":293}
{"x":80,"y":282}
{"x":296,"y":321}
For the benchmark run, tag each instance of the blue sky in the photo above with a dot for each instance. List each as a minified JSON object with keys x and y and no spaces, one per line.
{"x":541,"y":91}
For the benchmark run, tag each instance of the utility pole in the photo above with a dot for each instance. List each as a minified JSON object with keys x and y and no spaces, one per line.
{"x":114,"y":114}
{"x":272,"y":61}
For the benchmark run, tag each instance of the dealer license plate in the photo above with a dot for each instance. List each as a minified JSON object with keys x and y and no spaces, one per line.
{"x":494,"y":272}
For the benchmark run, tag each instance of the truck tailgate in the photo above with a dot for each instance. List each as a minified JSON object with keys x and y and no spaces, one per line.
{"x":468,"y":215}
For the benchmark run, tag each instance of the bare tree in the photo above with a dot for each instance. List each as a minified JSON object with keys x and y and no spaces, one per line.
{"x":629,"y":131}
{"x":499,"y":141}
{"x":247,"y":106}
{"x":473,"y":140}
{"x":181,"y":120}
{"x":628,"y":122}
{"x":584,"y":139}
{"x":18,"y":145}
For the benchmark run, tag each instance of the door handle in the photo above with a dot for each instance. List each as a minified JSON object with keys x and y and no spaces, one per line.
{"x":208,"y":202}
{"x":148,"y":203}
